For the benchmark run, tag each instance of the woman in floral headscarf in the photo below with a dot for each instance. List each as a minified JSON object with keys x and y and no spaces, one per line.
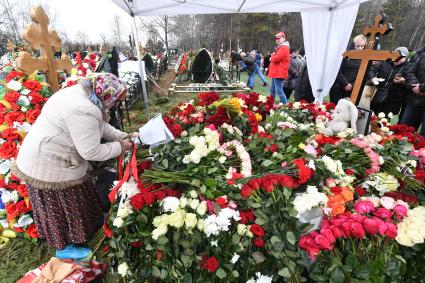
{"x":53,"y":161}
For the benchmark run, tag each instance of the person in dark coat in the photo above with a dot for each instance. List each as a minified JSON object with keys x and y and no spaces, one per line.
{"x":293,"y":73}
{"x":347,"y":73}
{"x":266,"y":62}
{"x":303,"y":91}
{"x":391,"y":93}
{"x":414,"y":114}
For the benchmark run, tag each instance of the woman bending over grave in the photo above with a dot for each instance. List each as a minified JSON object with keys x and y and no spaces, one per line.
{"x":53,"y":161}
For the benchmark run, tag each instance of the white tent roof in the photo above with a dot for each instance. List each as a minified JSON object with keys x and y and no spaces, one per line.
{"x":327,"y":25}
{"x":182,"y":7}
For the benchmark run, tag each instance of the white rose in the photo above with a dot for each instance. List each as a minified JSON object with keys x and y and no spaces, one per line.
{"x":176,"y":219}
{"x":183,"y":202}
{"x":193,"y":194}
{"x":200,"y":225}
{"x":190,"y":220}
{"x":118,"y":222}
{"x":241,"y":229}
{"x":404,"y":240}
{"x":161,"y":230}
{"x":202,"y":208}
{"x":194,"y":203}
{"x":415,"y":236}
{"x":222,"y":159}
{"x":123,"y":269}
{"x":184,"y":134}
{"x":14,"y":85}
{"x":381,"y":115}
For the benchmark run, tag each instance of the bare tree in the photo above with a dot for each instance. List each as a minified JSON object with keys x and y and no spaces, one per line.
{"x":82,"y":38}
{"x":158,"y":27}
{"x":117,"y":30}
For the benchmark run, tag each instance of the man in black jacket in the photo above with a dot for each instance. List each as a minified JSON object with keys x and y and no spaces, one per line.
{"x":391,"y":93}
{"x":414,"y":114}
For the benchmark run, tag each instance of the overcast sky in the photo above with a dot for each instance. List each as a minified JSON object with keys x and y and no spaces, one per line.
{"x":91,"y":16}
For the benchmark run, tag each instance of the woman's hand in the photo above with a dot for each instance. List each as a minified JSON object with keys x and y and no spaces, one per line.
{"x":132,"y":135}
{"x":125,"y":146}
{"x":348,"y":87}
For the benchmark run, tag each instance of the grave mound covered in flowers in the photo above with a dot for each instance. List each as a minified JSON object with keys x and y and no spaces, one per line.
{"x":250,"y":191}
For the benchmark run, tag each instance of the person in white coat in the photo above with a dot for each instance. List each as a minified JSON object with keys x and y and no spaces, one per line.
{"x":53,"y":160}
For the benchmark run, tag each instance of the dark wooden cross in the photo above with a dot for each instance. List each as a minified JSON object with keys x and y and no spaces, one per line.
{"x":373,"y":33}
{"x":39,"y":37}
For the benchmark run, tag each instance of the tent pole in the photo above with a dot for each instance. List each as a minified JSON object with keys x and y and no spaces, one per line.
{"x":141,"y":69}
{"x":319,"y":91}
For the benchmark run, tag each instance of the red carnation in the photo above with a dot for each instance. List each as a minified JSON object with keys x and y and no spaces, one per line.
{"x":210,"y":263}
{"x":257,"y":230}
{"x":32,"y":85}
{"x":10,"y":134}
{"x":12,"y":96}
{"x":14,"y":116}
{"x":12,"y":211}
{"x":22,"y":190}
{"x":258,"y":242}
{"x":32,"y":231}
{"x":35,"y":98}
{"x":12,"y":75}
{"x":137,"y":201}
{"x":149,"y":198}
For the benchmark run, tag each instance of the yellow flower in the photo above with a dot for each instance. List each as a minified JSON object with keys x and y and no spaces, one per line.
{"x":259,"y":117}
{"x":301,"y":146}
{"x":236,"y":106}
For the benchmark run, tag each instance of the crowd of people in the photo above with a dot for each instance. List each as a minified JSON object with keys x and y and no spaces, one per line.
{"x":401,"y":88}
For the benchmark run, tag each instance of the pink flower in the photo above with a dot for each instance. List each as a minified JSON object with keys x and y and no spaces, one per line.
{"x":382,"y":213}
{"x":309,"y":245}
{"x":328,"y":234}
{"x":358,"y":218}
{"x":337,"y":232}
{"x":391,"y":231}
{"x":364,"y":206}
{"x":323,"y":242}
{"x":371,"y":226}
{"x":400,"y":210}
{"x":357,"y":230}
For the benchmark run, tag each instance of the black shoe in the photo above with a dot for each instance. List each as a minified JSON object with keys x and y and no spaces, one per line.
{"x":264,"y":84}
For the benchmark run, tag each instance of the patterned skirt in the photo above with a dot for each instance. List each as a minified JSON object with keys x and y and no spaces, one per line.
{"x":66,"y":216}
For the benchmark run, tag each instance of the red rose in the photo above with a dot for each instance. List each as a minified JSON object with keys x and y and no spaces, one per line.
{"x":12,"y":211}
{"x":35,"y":98}
{"x":137,"y":201}
{"x":22,"y":190}
{"x":22,"y":207}
{"x":32,"y":231}
{"x":258,"y":242}
{"x":32,"y":85}
{"x":360,"y":191}
{"x":222,"y":202}
{"x":136,"y":244}
{"x":382,"y":213}
{"x":12,"y":96}
{"x":107,"y":230}
{"x":8,"y":150}
{"x":246,"y":216}
{"x":357,"y":230}
{"x":337,"y":232}
{"x":149,"y":198}
{"x":14,"y":116}
{"x":32,"y":115}
{"x":159,"y":255}
{"x":211,"y":264}
{"x":391,"y":231}
{"x":10,"y":134}
{"x":12,"y":75}
{"x":257,"y":230}
{"x":160,"y":195}
{"x":371,"y":226}
{"x":327,"y":232}
{"x":144,"y":165}
{"x":323,"y":242}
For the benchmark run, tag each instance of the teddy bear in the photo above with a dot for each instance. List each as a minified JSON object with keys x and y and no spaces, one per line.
{"x":344,"y":116}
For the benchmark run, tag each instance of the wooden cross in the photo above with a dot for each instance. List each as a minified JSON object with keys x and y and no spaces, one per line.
{"x":369,"y":54}
{"x":39,"y":37}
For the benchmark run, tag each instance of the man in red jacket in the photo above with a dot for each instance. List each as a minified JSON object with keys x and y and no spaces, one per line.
{"x":279,"y":65}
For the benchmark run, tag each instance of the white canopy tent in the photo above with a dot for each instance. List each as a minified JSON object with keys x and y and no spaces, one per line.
{"x":327,"y":25}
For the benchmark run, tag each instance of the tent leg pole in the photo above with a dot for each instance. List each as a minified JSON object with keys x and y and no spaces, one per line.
{"x":141,"y":70}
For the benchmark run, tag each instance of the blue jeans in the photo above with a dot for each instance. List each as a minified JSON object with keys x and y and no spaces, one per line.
{"x":252,"y":77}
{"x":414,"y":116}
{"x":277,"y":87}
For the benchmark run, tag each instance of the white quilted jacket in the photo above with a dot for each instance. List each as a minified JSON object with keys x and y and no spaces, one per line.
{"x":65,"y":137}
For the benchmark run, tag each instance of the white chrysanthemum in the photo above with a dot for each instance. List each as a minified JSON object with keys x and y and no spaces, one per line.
{"x":123,"y":269}
{"x":14,"y":85}
{"x":170,"y":204}
{"x":310,"y":199}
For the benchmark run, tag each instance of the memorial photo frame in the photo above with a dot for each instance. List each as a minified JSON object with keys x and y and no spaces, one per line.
{"x":363,"y":122}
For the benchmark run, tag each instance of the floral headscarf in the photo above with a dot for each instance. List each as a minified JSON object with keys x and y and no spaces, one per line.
{"x":103,"y":88}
